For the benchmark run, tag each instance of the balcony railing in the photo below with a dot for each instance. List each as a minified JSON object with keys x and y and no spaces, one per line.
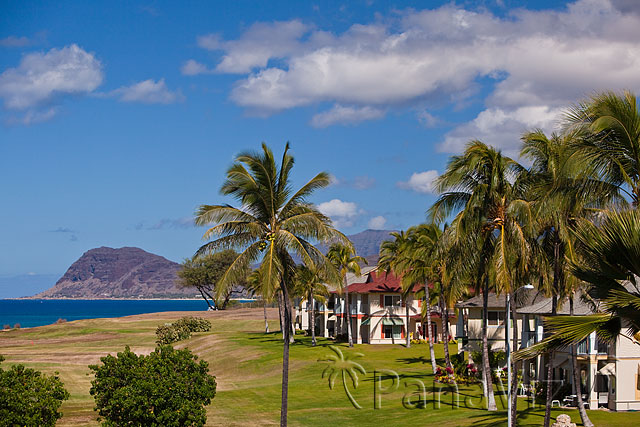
{"x":583,"y":346}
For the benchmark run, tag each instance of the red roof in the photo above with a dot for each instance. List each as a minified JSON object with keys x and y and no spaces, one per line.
{"x":380,"y":282}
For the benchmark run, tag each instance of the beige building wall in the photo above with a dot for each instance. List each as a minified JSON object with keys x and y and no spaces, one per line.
{"x":627,"y":378}
{"x":495,"y":333}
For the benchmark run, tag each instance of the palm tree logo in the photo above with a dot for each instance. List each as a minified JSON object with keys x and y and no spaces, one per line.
{"x":343,"y":366}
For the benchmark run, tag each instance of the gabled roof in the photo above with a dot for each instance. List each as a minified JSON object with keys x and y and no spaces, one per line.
{"x":542,"y":307}
{"x":378,"y":281}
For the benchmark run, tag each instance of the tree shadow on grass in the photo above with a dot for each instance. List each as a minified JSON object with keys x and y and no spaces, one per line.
{"x":499,"y":418}
{"x":413,"y":360}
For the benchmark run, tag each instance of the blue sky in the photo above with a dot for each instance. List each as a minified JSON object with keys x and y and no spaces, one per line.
{"x":119,"y":118}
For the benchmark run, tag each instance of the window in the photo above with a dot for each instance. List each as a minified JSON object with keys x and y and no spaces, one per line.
{"x":392,"y":300}
{"x":388,"y":330}
{"x":496,"y":318}
{"x":395,"y":331}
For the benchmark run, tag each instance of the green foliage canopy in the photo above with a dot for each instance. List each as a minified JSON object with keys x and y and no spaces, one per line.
{"x":166,"y":388}
{"x":29,"y":398}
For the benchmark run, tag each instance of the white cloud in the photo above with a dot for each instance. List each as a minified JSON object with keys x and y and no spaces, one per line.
{"x":43,"y":78}
{"x":421,"y":182}
{"x":193,"y":67}
{"x":345,"y":115}
{"x":341,"y":213}
{"x":539,"y":60}
{"x":377,"y":223}
{"x":148,"y":92}
{"x":501,"y":128}
{"x":260,"y":43}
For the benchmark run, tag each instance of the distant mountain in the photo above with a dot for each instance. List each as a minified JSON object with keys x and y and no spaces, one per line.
{"x":367,"y":243}
{"x":119,"y":273}
{"x":134,"y":273}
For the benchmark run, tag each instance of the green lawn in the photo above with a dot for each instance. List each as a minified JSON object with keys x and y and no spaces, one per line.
{"x":247,"y":364}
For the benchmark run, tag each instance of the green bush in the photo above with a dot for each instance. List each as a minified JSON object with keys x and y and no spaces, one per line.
{"x":166,"y":388}
{"x":194,"y":324}
{"x":181,"y":329}
{"x":29,"y":398}
{"x":496,"y":358}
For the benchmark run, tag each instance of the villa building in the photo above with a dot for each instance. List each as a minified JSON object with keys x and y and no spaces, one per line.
{"x":378,"y":311}
{"x":610,"y":374}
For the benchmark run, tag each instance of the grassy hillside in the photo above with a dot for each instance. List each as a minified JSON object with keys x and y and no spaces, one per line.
{"x":247,"y":365}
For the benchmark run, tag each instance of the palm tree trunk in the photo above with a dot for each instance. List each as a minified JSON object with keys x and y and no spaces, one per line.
{"x":549,"y":397}
{"x":445,"y":330}
{"x":347,"y":309}
{"x":309,"y":314}
{"x":281,"y":313}
{"x":408,"y":338}
{"x":313,"y":321}
{"x":292,"y":324}
{"x":429,"y":331}
{"x":557,"y":280}
{"x":486,"y":367}
{"x":586,"y":422}
{"x":514,"y":367}
{"x":285,"y":355}
{"x":266,"y":322}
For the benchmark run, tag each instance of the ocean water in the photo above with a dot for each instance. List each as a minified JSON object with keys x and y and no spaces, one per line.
{"x":29,"y":313}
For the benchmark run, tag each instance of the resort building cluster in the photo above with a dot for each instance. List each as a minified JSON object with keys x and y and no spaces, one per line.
{"x":609,"y":373}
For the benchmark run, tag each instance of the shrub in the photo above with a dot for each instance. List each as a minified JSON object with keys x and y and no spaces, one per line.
{"x":29,"y":398}
{"x":181,"y":329}
{"x":194,"y":324}
{"x":496,"y":358}
{"x":166,"y":388}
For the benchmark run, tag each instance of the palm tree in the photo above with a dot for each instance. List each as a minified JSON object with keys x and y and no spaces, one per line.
{"x":271,"y":224}
{"x":421,"y":244}
{"x":479,"y":183}
{"x":610,"y":126}
{"x":392,"y":259}
{"x":344,"y":259}
{"x":564,"y":189}
{"x":309,"y":283}
{"x":254,"y":284}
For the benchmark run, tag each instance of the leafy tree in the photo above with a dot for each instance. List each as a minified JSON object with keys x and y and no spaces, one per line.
{"x":166,"y":388}
{"x":204,"y":273}
{"x":29,"y":398}
{"x":271,"y":224}
{"x":345,"y":260}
